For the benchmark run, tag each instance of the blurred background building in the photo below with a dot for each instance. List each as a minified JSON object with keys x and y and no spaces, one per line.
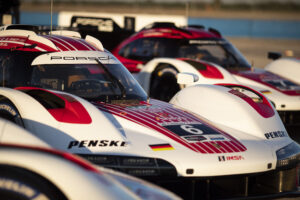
{"x":253,"y":26}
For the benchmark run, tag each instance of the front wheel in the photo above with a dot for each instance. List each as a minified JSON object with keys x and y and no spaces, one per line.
{"x":21,"y":184}
{"x":9,"y":111}
{"x":164,"y":83}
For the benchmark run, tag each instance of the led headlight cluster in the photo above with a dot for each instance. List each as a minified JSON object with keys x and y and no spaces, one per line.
{"x":288,"y":155}
{"x":133,"y":165}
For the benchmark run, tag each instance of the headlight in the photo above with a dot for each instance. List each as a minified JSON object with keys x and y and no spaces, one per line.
{"x":288,"y":155}
{"x":133,"y":165}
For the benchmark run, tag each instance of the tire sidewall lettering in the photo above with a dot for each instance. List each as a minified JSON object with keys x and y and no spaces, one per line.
{"x":21,"y":189}
{"x":8,"y":108}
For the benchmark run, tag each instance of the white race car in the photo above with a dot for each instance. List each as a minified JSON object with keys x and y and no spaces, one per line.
{"x":31,"y":170}
{"x":226,"y":141}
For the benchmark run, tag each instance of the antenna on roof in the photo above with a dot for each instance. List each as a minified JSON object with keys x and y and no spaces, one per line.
{"x":51,"y":16}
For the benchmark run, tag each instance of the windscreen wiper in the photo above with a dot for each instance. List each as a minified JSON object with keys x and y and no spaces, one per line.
{"x":31,"y":46}
{"x":236,"y":61}
{"x":113,"y":79}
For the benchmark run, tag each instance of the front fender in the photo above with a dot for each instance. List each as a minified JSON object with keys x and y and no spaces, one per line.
{"x":233,"y":109}
{"x":29,"y":108}
{"x":144,"y":77}
{"x":62,"y":126}
{"x":286,"y":67}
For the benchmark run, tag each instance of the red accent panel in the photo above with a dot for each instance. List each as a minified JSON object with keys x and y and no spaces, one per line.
{"x":211,"y":72}
{"x":264,"y":108}
{"x":73,"y":111}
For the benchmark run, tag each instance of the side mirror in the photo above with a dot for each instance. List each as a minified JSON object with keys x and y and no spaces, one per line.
{"x":187,"y":78}
{"x":274,"y":55}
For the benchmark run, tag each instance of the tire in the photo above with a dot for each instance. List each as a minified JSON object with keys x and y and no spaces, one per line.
{"x":20,"y":184}
{"x":9,"y":111}
{"x":164,"y":83}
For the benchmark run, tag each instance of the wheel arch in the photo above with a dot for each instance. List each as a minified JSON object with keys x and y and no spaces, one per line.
{"x":30,"y":179}
{"x":28,"y":107}
{"x":147,"y":72}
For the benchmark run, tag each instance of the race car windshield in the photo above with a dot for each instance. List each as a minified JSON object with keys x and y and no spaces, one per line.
{"x":215,"y":51}
{"x":218,"y":51}
{"x":99,"y":82}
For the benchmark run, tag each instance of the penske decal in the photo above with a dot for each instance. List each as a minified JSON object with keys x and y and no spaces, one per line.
{"x":276,"y":134}
{"x":96,"y":143}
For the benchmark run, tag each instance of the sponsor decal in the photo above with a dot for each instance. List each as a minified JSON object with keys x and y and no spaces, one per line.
{"x":96,"y":143}
{"x":221,"y":158}
{"x":81,"y":58}
{"x":195,"y":132}
{"x":230,"y":158}
{"x":276,"y":134}
{"x":218,"y":137}
{"x":216,"y":145}
{"x":8,"y":108}
{"x":4,"y":44}
{"x":16,"y":39}
{"x":161,"y":147}
{"x":194,"y":138}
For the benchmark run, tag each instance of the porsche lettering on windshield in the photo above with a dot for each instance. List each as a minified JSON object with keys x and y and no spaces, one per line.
{"x":80,"y":58}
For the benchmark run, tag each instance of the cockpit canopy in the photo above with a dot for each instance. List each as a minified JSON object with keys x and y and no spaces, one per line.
{"x":91,"y":75}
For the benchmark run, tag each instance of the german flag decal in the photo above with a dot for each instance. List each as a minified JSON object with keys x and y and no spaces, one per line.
{"x":161,"y":147}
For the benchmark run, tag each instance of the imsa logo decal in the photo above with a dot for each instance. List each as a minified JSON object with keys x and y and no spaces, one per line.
{"x":230,"y":158}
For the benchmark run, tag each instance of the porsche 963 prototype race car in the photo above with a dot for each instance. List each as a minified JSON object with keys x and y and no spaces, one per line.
{"x":194,"y":43}
{"x":214,"y":141}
